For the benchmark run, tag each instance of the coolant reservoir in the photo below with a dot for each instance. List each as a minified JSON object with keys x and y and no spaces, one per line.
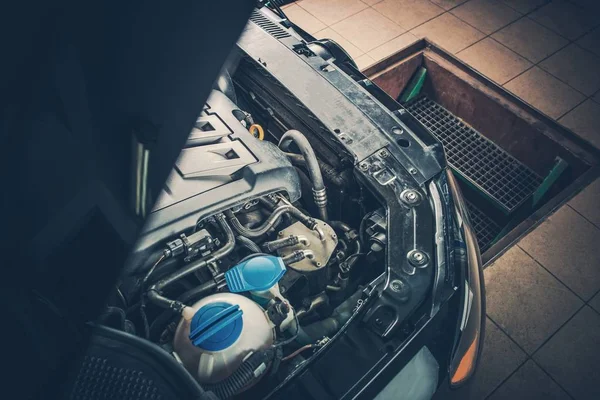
{"x":224,"y":329}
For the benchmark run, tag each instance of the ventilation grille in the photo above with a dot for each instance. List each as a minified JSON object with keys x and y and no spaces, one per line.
{"x":100,"y":379}
{"x":267,"y":25}
{"x":491,"y":170}
{"x":485,"y":228}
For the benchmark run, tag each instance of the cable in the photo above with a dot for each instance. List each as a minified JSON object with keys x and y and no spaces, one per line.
{"x":143,"y":297}
{"x":154,"y":292}
{"x":300,"y":350}
{"x":294,"y":336}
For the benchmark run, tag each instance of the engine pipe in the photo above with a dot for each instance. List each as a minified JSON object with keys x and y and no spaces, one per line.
{"x":270,"y":222}
{"x":312,"y":165}
{"x":277,"y":244}
{"x":154,"y":292}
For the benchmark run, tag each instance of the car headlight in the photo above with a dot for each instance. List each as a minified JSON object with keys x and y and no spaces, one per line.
{"x":468,"y":347}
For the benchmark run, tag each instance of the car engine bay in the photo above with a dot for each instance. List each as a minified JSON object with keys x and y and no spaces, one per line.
{"x":269,"y":238}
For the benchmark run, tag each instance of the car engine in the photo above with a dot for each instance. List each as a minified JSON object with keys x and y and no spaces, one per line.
{"x":272,"y":230}
{"x":262,"y":273}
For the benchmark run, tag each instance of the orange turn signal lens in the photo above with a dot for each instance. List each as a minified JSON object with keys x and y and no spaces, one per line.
{"x":466,"y":366}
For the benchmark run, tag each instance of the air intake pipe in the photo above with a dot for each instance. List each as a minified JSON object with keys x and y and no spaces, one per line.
{"x":312,"y":164}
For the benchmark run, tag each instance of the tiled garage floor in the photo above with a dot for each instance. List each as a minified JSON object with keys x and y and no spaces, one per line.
{"x":543,"y":326}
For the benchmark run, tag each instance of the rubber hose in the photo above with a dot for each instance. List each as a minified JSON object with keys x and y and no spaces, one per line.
{"x":344,"y":227}
{"x":312,"y":165}
{"x":160,"y":322}
{"x":242,"y":376}
{"x":328,"y":171}
{"x":269,"y":223}
{"x":329,"y":326}
{"x":154,"y":292}
{"x":249,"y":244}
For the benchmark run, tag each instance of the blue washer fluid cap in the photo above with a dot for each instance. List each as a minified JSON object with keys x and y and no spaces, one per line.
{"x":255,"y":274}
{"x":216,"y":326}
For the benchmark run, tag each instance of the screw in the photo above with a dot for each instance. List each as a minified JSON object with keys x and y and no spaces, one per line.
{"x":383,"y":154}
{"x":412,"y":170}
{"x":318,"y":264}
{"x":417,"y":258}
{"x":396,"y":285}
{"x":280,"y":233}
{"x":410,"y":196}
{"x":363,"y":166}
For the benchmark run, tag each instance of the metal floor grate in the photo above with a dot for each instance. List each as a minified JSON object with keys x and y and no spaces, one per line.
{"x":497,"y":174}
{"x":485,"y":228}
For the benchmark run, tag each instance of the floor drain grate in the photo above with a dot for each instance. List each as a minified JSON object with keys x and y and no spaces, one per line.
{"x":494,"y":172}
{"x":485,"y":228}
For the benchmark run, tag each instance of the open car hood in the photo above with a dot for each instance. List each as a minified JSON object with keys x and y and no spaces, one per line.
{"x":97,"y":102}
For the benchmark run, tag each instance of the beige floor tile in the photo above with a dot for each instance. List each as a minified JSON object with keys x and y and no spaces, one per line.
{"x":329,"y":33}
{"x":332,"y":11}
{"x":304,"y":19}
{"x":544,"y":92}
{"x":584,"y":120}
{"x":587,"y":202}
{"x":572,"y":356}
{"x":448,"y":4}
{"x":494,"y":60}
{"x":364,"y":61}
{"x":368,"y":29}
{"x":291,"y":4}
{"x":449,"y":32}
{"x":500,"y":358}
{"x":591,"y":41}
{"x":565,"y":18}
{"x":389,"y":48}
{"x":525,"y":6}
{"x":371,"y":2}
{"x":408,"y":13}
{"x":530,"y":39}
{"x":575,"y":66}
{"x":530,"y":382}
{"x":525,"y":300}
{"x":568,"y":246}
{"x":486,"y":15}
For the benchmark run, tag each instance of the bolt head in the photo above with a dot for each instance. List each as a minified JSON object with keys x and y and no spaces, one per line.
{"x":383,"y":154}
{"x":363,"y":166}
{"x":413,"y":171}
{"x":417,"y":258}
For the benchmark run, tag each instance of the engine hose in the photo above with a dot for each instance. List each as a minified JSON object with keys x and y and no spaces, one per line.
{"x":312,"y":165}
{"x":329,"y":326}
{"x":328,"y":171}
{"x":247,"y":243}
{"x":154,"y":292}
{"x":344,"y":227}
{"x":190,"y":296}
{"x":277,"y":244}
{"x":251,"y":368}
{"x":270,"y":222}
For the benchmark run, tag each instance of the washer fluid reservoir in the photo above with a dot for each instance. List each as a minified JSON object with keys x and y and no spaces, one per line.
{"x":224,"y":329}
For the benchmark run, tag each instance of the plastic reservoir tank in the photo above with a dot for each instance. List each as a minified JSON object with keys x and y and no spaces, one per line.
{"x":219,"y":331}
{"x":224,"y":329}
